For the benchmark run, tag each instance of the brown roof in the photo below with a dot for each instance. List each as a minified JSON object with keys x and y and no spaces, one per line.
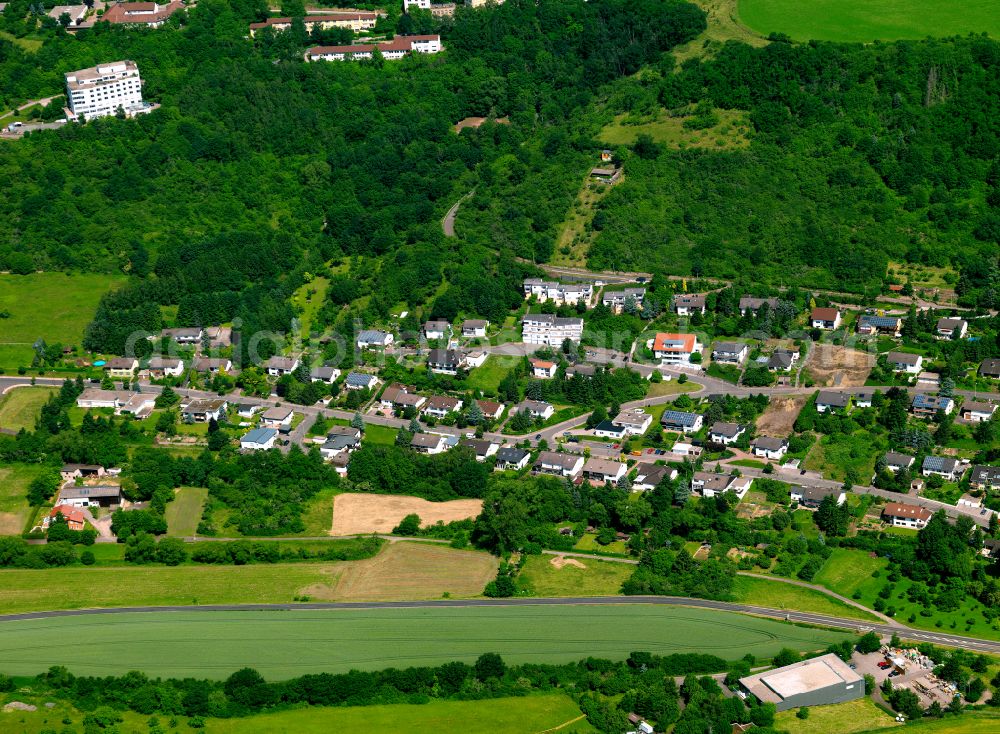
{"x":824,"y":314}
{"x":489,"y":407}
{"x":911,"y":512}
{"x":140,"y":12}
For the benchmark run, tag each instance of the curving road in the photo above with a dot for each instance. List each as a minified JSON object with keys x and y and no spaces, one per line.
{"x":967,"y":643}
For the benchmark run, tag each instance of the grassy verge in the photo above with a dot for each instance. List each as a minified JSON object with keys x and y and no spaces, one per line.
{"x":779,"y":595}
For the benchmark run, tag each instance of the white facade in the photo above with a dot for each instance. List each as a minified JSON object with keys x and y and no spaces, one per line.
{"x":550,"y":330}
{"x":422,"y":4}
{"x":102,"y":90}
{"x":549,"y":290}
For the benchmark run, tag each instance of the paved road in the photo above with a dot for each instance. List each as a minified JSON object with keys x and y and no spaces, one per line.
{"x":968,"y":643}
{"x":448,"y":223}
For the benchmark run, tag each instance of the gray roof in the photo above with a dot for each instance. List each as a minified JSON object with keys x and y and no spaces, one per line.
{"x":894,"y":458}
{"x":726,"y":429}
{"x":729,"y":347}
{"x":902,"y":358}
{"x":770,"y":443}
{"x":322,"y":373}
{"x":371,"y":336}
{"x":678,"y":418}
{"x":359,"y":379}
{"x":425,"y":440}
{"x":833,"y":399}
{"x":511,"y":455}
{"x":71,"y":492}
{"x":338,"y":442}
{"x":259,"y":435}
{"x":939,"y":463}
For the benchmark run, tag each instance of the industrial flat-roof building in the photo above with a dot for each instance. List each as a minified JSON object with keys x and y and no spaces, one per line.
{"x":815,"y":682}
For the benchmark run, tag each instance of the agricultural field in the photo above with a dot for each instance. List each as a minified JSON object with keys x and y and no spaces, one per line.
{"x":289,"y":643}
{"x":548,"y":575}
{"x":407,"y":571}
{"x":729,"y":129}
{"x":184,"y":513}
{"x":53,"y":306}
{"x":361,"y":513}
{"x":491,"y":716}
{"x":14,"y":508}
{"x":20,"y":407}
{"x":844,"y":718}
{"x":865,"y":21}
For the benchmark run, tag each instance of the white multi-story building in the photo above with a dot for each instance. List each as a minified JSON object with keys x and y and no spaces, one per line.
{"x":103,"y":90}
{"x":392,"y":50}
{"x":546,"y":328}
{"x":422,"y":4}
{"x":561,"y":293}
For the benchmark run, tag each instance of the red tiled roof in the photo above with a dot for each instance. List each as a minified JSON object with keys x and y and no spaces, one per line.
{"x":660,"y":343}
{"x":139,"y":12}
{"x":71,"y":514}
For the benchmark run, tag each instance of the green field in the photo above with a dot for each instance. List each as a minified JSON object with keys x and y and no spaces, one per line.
{"x":730,"y":131}
{"x":285,"y":644}
{"x":487,"y":377}
{"x":848,"y":570}
{"x":597,"y":578}
{"x":53,"y":306}
{"x":20,"y":408}
{"x":870,"y":20}
{"x":779,"y":595}
{"x":490,"y":716}
{"x":844,"y":718}
{"x":184,"y":513}
{"x":970,"y":722}
{"x":14,"y":508}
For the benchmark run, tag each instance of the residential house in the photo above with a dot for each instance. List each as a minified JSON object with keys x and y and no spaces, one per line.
{"x":607,"y":429}
{"x":259,"y":439}
{"x":184,"y":335}
{"x":708,"y":484}
{"x":137,"y":404}
{"x":864,"y":398}
{"x":825,"y":318}
{"x":76,"y":14}
{"x":927,"y":406}
{"x":360,"y":381}
{"x":978,"y":411}
{"x":437,"y":330}
{"x":985,"y":477}
{"x":438,"y":406}
{"x":325,"y":374}
{"x":942,"y":466}
{"x":584,"y":370}
{"x":682,"y":448}
{"x":219,"y":337}
{"x":870,"y":325}
{"x":546,"y":290}
{"x":75,"y":519}
{"x":512,"y":458}
{"x":896,"y":462}
{"x":480,"y":447}
{"x":445,"y":361}
{"x":400,"y":397}
{"x":550,"y":330}
{"x":373,"y":338}
{"x":990,"y":368}
{"x":340,"y":440}
{"x":246,"y":410}
{"x":603,"y":470}
{"x":279,"y":418}
{"x":543,"y":369}
{"x":635,"y":421}
{"x":564,"y":465}
{"x":90,"y":496}
{"x":491,"y":410}
{"x":161,"y":367}
{"x":729,"y":352}
{"x":725,"y":434}
{"x":675,"y":348}
{"x":474,"y":328}
{"x":906,"y":516}
{"x":212,"y":365}
{"x":70,"y":472}
{"x":686,"y":304}
{"x":93,"y":397}
{"x":279,"y":366}
{"x":770,"y":447}
{"x":428,"y":443}
{"x":952,"y":328}
{"x":616,"y":300}
{"x":122,"y":367}
{"x":782,"y":360}
{"x":536,"y":409}
{"x":203,"y":410}
{"x":749,"y":304}
{"x":831,"y":401}
{"x":911,"y":364}
{"x":649,"y":476}
{"x":812,"y":497}
{"x":677,"y":420}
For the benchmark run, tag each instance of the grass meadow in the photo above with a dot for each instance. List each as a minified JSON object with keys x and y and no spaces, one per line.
{"x":53,"y":306}
{"x":289,"y":643}
{"x":20,"y":407}
{"x":184,"y":513}
{"x":870,"y":20}
{"x":843,"y":718}
{"x":540,"y":577}
{"x":14,"y":508}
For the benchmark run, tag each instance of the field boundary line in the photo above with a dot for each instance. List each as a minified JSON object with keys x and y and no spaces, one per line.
{"x":564,"y":724}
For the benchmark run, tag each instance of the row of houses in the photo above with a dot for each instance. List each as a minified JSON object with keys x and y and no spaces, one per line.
{"x":922,"y":405}
{"x":469,"y":329}
{"x":392,"y":50}
{"x":399,"y":397}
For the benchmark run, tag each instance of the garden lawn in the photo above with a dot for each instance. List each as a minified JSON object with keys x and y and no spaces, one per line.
{"x":780,"y":595}
{"x":588,"y":544}
{"x":671,"y":387}
{"x":834,"y":455}
{"x":384,"y":435}
{"x":870,"y":20}
{"x":488,"y":376}
{"x":540,"y":577}
{"x":14,"y":508}
{"x":20,"y":407}
{"x":288,"y":643}
{"x":53,"y":306}
{"x":184,"y":513}
{"x":843,"y":718}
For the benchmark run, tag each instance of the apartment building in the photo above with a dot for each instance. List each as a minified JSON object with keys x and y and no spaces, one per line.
{"x":104,"y":89}
{"x":560,"y":293}
{"x":392,"y":50}
{"x":356,"y":21}
{"x":550,"y":330}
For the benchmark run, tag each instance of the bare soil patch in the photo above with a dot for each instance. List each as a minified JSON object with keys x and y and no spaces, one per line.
{"x":11,"y":523}
{"x":355,"y":514}
{"x":405,"y":571}
{"x":562,"y":561}
{"x":832,"y":365}
{"x":780,"y":415}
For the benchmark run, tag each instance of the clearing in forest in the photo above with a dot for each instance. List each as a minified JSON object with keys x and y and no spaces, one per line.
{"x":359,"y":514}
